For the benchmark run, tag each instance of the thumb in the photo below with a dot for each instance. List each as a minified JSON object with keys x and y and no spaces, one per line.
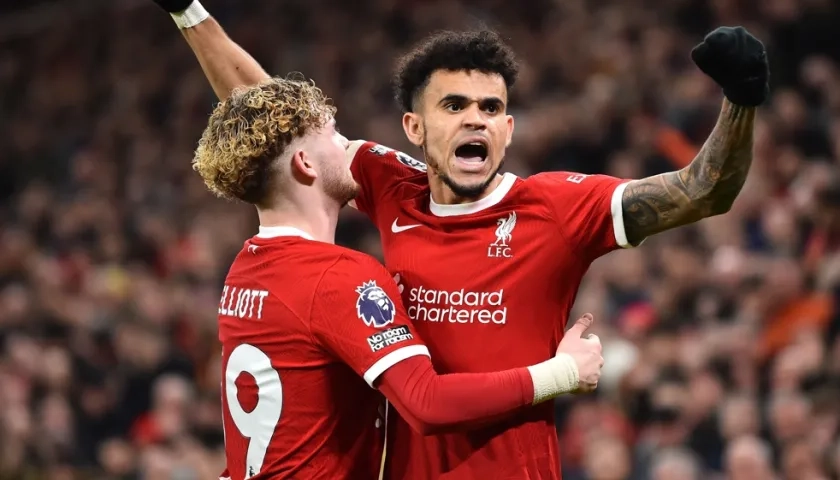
{"x":581,"y":325}
{"x":400,"y":286}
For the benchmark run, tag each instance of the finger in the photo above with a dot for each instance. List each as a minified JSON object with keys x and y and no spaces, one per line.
{"x":581,"y":325}
{"x":700,"y":53}
{"x":594,"y":340}
{"x":723,"y":38}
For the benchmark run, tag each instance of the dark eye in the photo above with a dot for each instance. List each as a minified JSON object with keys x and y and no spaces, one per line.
{"x":453,"y":107}
{"x":492,"y":109}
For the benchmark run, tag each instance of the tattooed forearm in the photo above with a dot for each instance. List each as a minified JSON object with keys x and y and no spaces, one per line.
{"x":706,"y":187}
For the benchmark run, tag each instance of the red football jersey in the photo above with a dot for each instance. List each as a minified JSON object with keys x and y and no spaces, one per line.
{"x":488,"y":286}
{"x":302,"y":323}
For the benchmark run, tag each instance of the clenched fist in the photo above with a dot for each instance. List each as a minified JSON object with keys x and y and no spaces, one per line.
{"x":737,"y":61}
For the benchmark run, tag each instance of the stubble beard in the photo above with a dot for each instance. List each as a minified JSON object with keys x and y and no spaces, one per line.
{"x":460,"y":190}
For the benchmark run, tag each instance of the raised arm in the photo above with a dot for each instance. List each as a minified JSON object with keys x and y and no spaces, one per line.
{"x":225,"y":63}
{"x":708,"y":186}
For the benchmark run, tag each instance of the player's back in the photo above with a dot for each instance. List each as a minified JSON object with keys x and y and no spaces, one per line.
{"x":291,"y":409}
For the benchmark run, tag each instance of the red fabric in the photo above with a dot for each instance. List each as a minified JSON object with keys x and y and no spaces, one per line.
{"x":294,"y":344}
{"x":582,"y":209}
{"x":433,"y":403}
{"x":482,"y":303}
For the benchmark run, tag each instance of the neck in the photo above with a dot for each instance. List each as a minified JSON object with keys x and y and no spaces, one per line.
{"x":443,"y":195}
{"x":318,"y":219}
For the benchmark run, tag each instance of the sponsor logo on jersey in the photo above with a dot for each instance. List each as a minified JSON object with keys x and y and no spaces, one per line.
{"x":395,"y":228}
{"x":380,"y":150}
{"x":403,"y":158}
{"x":391,"y":336}
{"x":412,"y":162}
{"x":373,"y":306}
{"x":456,"y":306}
{"x":500,"y":248}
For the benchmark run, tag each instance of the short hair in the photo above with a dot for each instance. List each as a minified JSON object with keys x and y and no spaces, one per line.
{"x":248,"y":131}
{"x":483,"y":50}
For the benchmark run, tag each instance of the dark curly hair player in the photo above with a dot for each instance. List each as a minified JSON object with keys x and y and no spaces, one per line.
{"x":489,"y":263}
{"x":459,"y":60}
{"x":481,"y":51}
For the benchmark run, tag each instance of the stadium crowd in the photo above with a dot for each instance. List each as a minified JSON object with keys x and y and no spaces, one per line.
{"x":721,"y":340}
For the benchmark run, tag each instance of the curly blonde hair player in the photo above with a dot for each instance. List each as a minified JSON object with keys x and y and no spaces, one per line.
{"x":271,"y":143}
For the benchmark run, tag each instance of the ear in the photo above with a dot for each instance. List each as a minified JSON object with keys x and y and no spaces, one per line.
{"x":510,"y":123}
{"x":303,"y":168}
{"x":413,"y":127}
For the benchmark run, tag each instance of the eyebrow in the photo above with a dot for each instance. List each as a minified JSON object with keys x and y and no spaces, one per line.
{"x":462,"y":99}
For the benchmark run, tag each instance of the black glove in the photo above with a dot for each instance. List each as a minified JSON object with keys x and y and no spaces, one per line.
{"x":737,"y":61}
{"x":174,"y":6}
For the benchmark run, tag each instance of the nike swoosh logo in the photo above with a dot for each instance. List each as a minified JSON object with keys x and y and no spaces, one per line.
{"x":397,"y":228}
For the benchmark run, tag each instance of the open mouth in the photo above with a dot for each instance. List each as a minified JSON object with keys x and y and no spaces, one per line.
{"x":472,"y":152}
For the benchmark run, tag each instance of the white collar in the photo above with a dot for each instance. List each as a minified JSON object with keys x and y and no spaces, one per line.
{"x":496,"y":196}
{"x":283,"y":231}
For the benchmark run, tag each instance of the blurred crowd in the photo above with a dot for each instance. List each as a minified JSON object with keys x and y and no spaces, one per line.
{"x":721,"y":339}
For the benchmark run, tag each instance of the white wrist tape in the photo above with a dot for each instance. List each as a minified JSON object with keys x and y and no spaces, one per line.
{"x":554,"y":377}
{"x":192,"y":16}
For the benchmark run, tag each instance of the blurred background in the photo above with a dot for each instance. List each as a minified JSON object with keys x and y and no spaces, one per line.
{"x":721,"y":340}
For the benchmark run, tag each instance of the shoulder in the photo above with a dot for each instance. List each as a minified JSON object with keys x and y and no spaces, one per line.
{"x":350,"y":269}
{"x":575,"y":187}
{"x":295,"y":254}
{"x":561,"y":179}
{"x":367,"y":151}
{"x":383,"y":174}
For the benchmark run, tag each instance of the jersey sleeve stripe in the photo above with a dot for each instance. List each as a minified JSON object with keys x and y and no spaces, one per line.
{"x":392,"y":359}
{"x":617,"y":210}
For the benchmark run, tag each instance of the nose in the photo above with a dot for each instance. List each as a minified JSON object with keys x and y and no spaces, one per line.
{"x":473,"y":118}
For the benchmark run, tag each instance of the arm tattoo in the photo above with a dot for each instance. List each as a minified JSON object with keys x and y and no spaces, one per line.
{"x":706,"y":187}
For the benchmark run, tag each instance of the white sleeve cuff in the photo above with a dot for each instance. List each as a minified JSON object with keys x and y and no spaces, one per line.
{"x":192,"y":16}
{"x":617,"y":211}
{"x":392,"y":359}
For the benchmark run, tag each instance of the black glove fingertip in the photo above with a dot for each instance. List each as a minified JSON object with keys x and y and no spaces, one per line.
{"x":700,"y":53}
{"x":720,"y":37}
